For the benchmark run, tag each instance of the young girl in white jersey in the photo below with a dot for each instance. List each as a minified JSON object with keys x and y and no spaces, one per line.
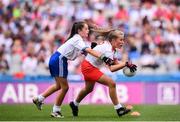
{"x":70,"y":50}
{"x":93,"y":64}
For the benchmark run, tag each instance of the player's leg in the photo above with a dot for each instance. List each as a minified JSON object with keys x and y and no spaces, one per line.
{"x":105,"y":80}
{"x":38,"y":101}
{"x":51,"y":89}
{"x":89,"y":86}
{"x":55,"y":62}
{"x":64,"y":88}
{"x":60,"y":96}
{"x":83,"y":93}
{"x":120,"y":109}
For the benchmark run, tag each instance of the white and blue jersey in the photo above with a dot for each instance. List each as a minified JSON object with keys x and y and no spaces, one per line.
{"x":70,"y":50}
{"x":73,"y":47}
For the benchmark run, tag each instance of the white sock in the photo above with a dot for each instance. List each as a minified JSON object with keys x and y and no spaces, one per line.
{"x":41,"y":98}
{"x":76,"y":103}
{"x":56,"y":108}
{"x":117,"y":106}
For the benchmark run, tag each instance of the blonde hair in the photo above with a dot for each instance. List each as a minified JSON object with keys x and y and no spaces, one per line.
{"x":102,"y":31}
{"x":114,"y":34}
{"x":108,"y":33}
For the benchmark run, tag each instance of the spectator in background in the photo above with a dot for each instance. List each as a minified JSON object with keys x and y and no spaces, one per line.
{"x":42,"y":68}
{"x":122,"y":14}
{"x":30,"y":61}
{"x":100,"y":18}
{"x":47,"y":36}
{"x":17,"y":55}
{"x":4,"y":67}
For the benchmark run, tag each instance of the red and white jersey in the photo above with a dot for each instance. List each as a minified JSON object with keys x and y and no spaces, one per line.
{"x":72,"y":47}
{"x":105,"y":48}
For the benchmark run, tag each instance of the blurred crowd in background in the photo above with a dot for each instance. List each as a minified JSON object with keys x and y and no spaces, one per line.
{"x":31,"y":30}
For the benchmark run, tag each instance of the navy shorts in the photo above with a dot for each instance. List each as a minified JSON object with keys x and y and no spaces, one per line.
{"x":58,"y":65}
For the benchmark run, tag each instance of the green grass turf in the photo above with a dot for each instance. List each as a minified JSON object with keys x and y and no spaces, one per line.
{"x":28,"y":112}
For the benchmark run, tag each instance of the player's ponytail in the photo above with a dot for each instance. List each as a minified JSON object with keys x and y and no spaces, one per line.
{"x":102,"y":31}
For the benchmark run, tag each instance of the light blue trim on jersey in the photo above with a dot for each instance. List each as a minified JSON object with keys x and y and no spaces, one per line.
{"x":84,"y":49}
{"x":60,"y":66}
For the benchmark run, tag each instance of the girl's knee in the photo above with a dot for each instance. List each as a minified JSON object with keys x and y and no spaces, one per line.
{"x":58,"y":88}
{"x":65,"y":89}
{"x":112,"y":84}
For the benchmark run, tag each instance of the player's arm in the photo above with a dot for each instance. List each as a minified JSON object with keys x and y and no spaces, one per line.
{"x":92,"y":52}
{"x":121,"y":64}
{"x":117,"y":65}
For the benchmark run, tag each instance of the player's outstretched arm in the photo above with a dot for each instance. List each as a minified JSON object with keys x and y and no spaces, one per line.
{"x":117,"y":66}
{"x":121,"y":64}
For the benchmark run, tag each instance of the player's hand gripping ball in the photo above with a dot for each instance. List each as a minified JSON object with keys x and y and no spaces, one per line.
{"x":129,"y":69}
{"x":127,"y":72}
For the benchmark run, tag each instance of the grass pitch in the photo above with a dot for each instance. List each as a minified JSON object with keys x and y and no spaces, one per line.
{"x":28,"y":112}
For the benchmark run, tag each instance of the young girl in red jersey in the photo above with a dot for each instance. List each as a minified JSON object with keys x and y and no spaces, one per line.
{"x":92,"y":74}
